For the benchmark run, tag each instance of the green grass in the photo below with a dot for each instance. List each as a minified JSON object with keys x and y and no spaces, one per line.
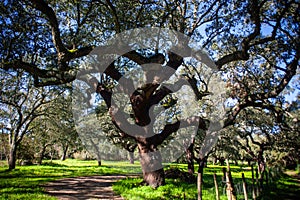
{"x":130,"y":189}
{"x":285,"y":188}
{"x":26,"y":182}
{"x":176,"y":189}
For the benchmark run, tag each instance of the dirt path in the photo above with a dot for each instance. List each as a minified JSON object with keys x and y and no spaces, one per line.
{"x":89,"y":187}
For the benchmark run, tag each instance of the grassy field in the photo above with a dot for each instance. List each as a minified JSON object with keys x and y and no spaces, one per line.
{"x":26,"y":182}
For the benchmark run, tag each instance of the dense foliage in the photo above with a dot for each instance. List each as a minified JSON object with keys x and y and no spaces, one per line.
{"x":253,"y":43}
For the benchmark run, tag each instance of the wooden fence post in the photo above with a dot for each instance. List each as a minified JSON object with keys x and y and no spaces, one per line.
{"x":224,"y":174}
{"x":199,"y":186}
{"x":230,"y":190}
{"x":216,"y":187}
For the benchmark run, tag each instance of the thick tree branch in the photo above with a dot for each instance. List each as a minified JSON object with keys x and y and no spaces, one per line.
{"x":289,"y":74}
{"x":165,"y":90}
{"x":254,"y":10}
{"x":196,"y":121}
{"x":50,"y":14}
{"x":78,"y":53}
{"x":141,"y":60}
{"x":242,"y":54}
{"x":237,"y":55}
{"x":30,"y":68}
{"x":115,"y":15}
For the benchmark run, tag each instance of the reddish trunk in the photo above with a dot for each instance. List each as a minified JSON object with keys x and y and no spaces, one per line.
{"x":151,"y":162}
{"x":190,"y":157}
{"x":155,"y":178}
{"x":200,"y":177}
{"x":199,"y":185}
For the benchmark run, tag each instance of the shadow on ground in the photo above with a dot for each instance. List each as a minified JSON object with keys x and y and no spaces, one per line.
{"x":90,"y":187}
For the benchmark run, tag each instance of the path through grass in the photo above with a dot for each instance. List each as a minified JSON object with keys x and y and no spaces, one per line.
{"x":26,"y":182}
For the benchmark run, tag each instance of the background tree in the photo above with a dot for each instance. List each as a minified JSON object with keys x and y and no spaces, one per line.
{"x":255,"y":43}
{"x":21,"y":104}
{"x":286,"y":147}
{"x":43,"y":137}
{"x":3,"y":139}
{"x":65,"y":127}
{"x":257,"y":134}
{"x":113,"y":135}
{"x":56,"y":128}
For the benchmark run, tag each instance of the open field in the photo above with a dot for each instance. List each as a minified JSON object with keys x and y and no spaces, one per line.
{"x":26,"y":181}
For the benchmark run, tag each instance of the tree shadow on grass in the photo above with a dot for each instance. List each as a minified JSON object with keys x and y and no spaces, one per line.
{"x":52,"y":164}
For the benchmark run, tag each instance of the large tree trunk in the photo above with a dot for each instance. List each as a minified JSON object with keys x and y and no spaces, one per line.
{"x":12,"y":158}
{"x":98,"y":159}
{"x":249,"y":162}
{"x":41,"y":155}
{"x":131,"y":157}
{"x":190,"y":157}
{"x":151,"y":162}
{"x":200,"y":176}
{"x":261,"y":167}
{"x":155,"y":178}
{"x":64,"y":155}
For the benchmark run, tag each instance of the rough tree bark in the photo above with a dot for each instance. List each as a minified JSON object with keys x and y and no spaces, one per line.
{"x":190,"y":157}
{"x":12,"y":157}
{"x":151,"y":162}
{"x":201,"y":162}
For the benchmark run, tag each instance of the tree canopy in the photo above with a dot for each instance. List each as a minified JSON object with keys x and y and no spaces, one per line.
{"x":253,"y":43}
